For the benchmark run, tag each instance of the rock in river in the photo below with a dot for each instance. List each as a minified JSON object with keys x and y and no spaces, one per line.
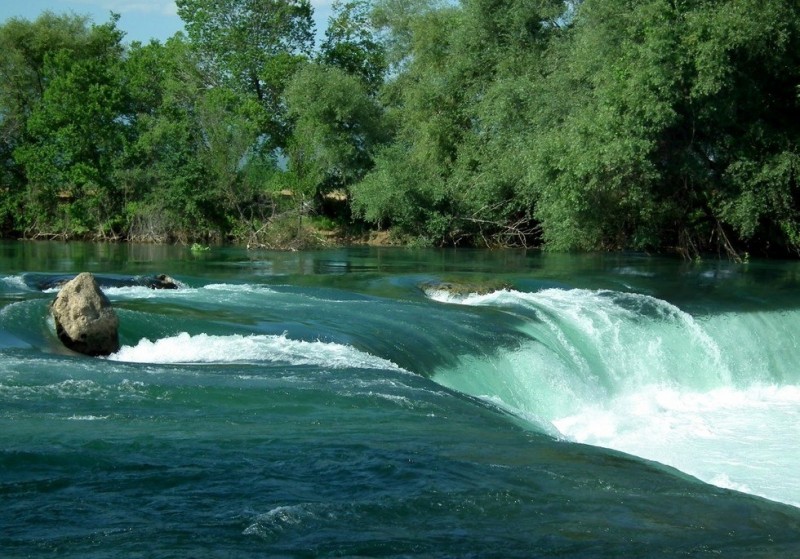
{"x":52,"y":281}
{"x":85,"y":321}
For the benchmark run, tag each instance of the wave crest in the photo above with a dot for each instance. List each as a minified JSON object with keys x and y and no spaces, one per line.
{"x":205,"y":348}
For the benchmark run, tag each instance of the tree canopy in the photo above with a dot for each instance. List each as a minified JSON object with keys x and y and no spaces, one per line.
{"x":659,"y":125}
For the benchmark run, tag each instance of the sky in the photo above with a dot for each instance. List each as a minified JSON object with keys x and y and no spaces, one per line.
{"x":141,"y":20}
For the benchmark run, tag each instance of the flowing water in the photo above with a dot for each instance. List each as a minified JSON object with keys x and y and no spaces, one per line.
{"x":355,"y":403}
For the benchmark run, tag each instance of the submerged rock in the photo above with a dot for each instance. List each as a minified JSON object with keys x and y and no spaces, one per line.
{"x":463,"y":289}
{"x":85,"y":321}
{"x":160,"y":281}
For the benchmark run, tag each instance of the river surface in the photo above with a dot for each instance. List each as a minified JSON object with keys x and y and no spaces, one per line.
{"x":402,"y":403}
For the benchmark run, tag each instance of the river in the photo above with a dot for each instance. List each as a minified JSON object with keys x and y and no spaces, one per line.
{"x":402,"y":403}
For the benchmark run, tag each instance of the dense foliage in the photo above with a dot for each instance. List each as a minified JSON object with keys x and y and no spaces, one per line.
{"x":578,"y":125}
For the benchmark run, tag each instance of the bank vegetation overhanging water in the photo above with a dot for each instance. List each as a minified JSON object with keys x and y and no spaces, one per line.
{"x":657,"y":125}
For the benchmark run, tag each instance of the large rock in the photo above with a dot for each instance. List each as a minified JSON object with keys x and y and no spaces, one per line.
{"x":85,"y":321}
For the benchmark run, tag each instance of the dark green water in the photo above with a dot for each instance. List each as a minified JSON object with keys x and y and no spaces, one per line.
{"x":338,"y":404}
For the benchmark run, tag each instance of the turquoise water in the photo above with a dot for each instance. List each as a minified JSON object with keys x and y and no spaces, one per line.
{"x":338,"y":403}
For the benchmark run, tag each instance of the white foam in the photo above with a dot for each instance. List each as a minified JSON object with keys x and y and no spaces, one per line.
{"x":444,"y":296}
{"x":204,"y":348}
{"x":238,"y":288}
{"x":144,"y":292}
{"x":16,"y":282}
{"x":281,"y":518}
{"x":137,"y":291}
{"x":743,"y":439}
{"x":221,"y":292}
{"x":81,"y":389}
{"x":73,"y":389}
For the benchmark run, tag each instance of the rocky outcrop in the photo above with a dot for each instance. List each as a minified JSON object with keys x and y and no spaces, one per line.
{"x":85,"y":321}
{"x":462,"y":289}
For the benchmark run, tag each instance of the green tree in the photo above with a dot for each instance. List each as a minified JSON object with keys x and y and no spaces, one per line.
{"x":166,"y":187}
{"x":455,"y":172}
{"x":742,"y":102}
{"x":351,"y":43}
{"x":337,"y":129}
{"x":671,"y":123}
{"x":235,"y":157}
{"x":503,"y":45}
{"x":25,"y":45}
{"x":253,"y":47}
{"x":408,"y":187}
{"x":197,"y":169}
{"x":604,"y":104}
{"x":74,"y":135}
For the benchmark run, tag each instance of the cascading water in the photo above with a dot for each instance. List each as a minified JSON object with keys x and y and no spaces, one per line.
{"x":635,"y":373}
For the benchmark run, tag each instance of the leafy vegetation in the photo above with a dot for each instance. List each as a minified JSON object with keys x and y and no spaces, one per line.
{"x":579,"y":125}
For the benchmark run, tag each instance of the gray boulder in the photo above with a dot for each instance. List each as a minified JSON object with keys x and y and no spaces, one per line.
{"x":85,"y":321}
